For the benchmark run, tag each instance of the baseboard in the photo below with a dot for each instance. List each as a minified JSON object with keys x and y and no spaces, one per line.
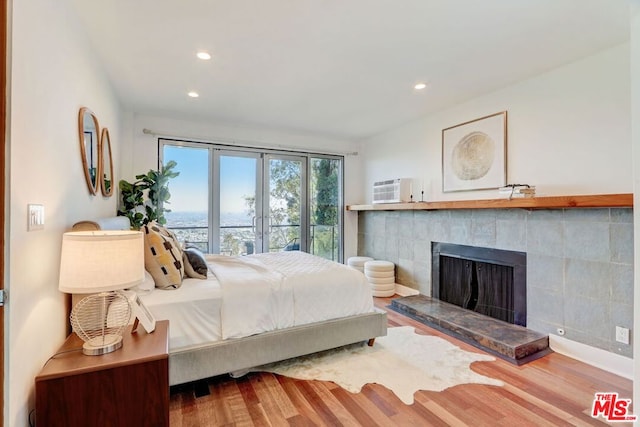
{"x":405,"y":291}
{"x":611,"y":362}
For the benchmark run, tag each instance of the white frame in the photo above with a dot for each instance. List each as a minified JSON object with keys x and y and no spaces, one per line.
{"x":142,"y":315}
{"x":494,"y":127}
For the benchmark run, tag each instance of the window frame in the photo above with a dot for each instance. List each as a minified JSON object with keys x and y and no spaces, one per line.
{"x":222,"y":147}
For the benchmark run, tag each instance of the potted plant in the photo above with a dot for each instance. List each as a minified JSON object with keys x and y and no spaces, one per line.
{"x":141,"y":210}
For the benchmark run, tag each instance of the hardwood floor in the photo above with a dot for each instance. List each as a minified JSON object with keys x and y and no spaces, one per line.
{"x":552,"y":391}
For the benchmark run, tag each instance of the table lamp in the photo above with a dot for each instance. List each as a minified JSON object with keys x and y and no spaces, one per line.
{"x":101,"y":263}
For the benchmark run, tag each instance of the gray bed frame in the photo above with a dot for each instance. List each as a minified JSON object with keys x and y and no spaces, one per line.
{"x":241,"y":354}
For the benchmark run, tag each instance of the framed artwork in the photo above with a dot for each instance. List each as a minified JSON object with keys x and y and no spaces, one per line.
{"x":474,"y":154}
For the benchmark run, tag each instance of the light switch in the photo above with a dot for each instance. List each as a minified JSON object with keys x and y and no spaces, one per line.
{"x":35,"y":220}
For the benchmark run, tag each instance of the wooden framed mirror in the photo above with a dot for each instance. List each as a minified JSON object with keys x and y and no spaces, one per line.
{"x":88,"y":133}
{"x":106,"y":163}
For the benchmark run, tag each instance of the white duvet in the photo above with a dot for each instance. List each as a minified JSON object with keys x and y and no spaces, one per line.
{"x":259,"y":293}
{"x":264,"y":292}
{"x":254,"y":298}
{"x":193,"y":311}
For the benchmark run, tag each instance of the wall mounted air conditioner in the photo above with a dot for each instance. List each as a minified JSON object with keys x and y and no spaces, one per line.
{"x":392,"y":191}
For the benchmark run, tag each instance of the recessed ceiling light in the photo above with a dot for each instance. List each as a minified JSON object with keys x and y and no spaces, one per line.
{"x":193,"y":94}
{"x":420,"y":86}
{"x":205,"y":56}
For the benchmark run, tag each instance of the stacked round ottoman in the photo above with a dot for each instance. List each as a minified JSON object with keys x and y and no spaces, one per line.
{"x":357,"y":262}
{"x":381,"y":276}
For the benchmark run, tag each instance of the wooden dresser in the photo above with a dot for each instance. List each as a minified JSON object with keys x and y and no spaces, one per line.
{"x":128,"y":387}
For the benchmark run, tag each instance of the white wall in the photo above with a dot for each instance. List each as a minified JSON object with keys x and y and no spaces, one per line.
{"x":568,"y":133}
{"x":144,"y":151}
{"x":52,"y":74}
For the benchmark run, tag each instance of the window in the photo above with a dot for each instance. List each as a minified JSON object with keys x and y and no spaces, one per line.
{"x":325,"y":207}
{"x":239,"y":201}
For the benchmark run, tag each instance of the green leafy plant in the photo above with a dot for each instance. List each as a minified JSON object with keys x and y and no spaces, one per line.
{"x":154,"y":184}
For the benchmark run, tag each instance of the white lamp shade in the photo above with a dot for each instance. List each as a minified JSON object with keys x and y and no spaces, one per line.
{"x":99,"y":261}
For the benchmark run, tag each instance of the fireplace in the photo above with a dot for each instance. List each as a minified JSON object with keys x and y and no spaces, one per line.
{"x":489,"y":281}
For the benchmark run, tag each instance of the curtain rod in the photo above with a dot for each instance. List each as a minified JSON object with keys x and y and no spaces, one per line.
{"x":249,"y":144}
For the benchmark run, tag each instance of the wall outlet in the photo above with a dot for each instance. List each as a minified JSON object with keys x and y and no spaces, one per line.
{"x":622,"y":335}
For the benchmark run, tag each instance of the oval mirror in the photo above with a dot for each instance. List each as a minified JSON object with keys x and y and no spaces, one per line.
{"x":106,"y":180}
{"x":88,"y":129}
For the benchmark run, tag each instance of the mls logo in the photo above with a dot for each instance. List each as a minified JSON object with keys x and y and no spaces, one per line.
{"x":612,"y":408}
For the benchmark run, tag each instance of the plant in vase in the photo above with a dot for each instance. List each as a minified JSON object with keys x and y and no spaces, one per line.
{"x":155,"y":184}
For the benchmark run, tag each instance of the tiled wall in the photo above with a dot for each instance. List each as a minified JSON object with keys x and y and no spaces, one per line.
{"x":579,"y":261}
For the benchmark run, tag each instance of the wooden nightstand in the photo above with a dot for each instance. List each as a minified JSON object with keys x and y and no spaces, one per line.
{"x":128,"y":387}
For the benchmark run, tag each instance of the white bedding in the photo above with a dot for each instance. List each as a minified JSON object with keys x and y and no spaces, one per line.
{"x":322,"y":289}
{"x":255,"y":298}
{"x":258,"y":293}
{"x":193,"y":311}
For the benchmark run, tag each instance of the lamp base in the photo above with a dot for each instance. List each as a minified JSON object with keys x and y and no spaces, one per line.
{"x":97,"y":346}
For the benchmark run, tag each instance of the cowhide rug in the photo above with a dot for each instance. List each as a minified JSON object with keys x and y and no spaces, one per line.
{"x":403,"y":361}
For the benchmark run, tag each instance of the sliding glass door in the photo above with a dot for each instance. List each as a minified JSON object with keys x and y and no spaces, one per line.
{"x":245,"y":201}
{"x":283,"y":207}
{"x":190,"y":213}
{"x":325,"y":202}
{"x":237,"y":179}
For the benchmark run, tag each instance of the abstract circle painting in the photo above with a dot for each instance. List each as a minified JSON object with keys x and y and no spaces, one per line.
{"x":473,"y":156}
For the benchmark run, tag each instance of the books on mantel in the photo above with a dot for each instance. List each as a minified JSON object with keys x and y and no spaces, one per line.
{"x":517,"y":191}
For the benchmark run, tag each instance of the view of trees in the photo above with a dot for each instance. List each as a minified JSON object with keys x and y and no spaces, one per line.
{"x":285,"y":199}
{"x":325,"y":193}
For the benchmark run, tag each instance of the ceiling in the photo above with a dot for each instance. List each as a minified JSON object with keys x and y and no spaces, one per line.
{"x":340,"y":68}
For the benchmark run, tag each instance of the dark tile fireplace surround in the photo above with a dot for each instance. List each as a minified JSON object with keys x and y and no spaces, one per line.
{"x":578,"y":269}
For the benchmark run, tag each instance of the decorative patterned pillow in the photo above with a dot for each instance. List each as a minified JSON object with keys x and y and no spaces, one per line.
{"x":194,"y":263}
{"x":162,"y":256}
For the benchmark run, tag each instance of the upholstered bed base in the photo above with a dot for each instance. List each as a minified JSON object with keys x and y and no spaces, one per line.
{"x":240,"y":354}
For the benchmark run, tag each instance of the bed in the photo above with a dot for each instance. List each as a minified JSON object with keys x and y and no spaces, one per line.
{"x":260,"y":309}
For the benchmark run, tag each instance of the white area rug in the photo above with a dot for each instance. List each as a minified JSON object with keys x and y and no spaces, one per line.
{"x":403,"y":361}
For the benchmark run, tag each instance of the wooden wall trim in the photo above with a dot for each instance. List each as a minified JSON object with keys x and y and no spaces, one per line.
{"x":551,"y":202}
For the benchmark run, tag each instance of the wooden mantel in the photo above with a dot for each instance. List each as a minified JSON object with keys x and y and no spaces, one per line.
{"x":550,"y":202}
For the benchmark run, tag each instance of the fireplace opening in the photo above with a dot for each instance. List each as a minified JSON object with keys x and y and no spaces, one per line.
{"x":488,"y":281}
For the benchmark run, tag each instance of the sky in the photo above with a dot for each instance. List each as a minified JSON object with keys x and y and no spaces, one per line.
{"x":189,"y":190}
